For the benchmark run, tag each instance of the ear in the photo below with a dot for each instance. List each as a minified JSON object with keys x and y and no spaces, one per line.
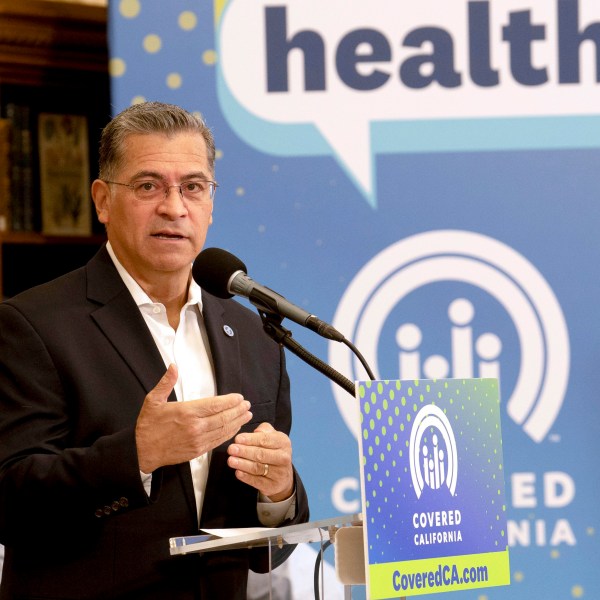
{"x":101,"y":198}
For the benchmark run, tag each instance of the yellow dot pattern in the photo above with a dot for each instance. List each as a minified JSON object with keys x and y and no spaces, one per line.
{"x":209,"y":57}
{"x":152,"y":43}
{"x":116,"y":67}
{"x":187,"y":20}
{"x":174,"y":81}
{"x":130,"y":8}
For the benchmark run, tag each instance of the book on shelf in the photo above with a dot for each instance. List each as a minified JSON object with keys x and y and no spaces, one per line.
{"x":22,"y":189}
{"x":5,"y":138}
{"x":64,"y":174}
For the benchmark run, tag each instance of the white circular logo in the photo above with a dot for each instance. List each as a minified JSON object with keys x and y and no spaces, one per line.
{"x":480,"y":261}
{"x":429,"y":465}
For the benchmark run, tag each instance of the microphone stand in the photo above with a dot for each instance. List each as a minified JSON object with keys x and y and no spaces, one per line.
{"x":272,"y":326}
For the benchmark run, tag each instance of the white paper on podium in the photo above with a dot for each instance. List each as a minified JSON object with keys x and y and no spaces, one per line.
{"x":234,"y":532}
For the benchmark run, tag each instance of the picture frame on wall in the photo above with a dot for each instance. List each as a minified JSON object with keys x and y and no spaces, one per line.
{"x":64,"y":174}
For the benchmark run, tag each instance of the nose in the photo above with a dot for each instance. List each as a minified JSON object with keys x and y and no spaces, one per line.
{"x":173,"y":204}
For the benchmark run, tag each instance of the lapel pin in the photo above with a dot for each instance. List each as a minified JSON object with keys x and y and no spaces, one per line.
{"x":228,"y":331}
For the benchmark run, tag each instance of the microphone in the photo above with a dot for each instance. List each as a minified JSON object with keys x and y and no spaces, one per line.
{"x":224,"y":275}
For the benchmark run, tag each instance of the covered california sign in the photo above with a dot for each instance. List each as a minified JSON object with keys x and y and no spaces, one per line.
{"x":432,"y":486}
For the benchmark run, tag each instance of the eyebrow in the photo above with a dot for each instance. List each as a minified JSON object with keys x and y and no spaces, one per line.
{"x":156,"y":175}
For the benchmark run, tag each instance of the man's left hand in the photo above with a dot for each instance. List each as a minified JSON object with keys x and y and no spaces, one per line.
{"x":263,"y":459}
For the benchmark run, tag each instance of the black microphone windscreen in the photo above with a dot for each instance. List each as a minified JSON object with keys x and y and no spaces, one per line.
{"x":213,"y":269}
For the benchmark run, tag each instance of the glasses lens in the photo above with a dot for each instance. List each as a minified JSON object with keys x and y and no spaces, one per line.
{"x":148,"y":190}
{"x":197,"y":190}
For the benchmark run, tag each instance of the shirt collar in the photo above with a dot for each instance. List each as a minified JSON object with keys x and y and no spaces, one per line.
{"x":139,"y":295}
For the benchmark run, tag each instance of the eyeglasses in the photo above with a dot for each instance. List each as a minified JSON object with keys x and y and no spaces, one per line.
{"x":154,"y":190}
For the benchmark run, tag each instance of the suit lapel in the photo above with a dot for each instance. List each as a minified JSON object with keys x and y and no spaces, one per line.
{"x":224,"y":345}
{"x":225,"y":349}
{"x":121,"y":321}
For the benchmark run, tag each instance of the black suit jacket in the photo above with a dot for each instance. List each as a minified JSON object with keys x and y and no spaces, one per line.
{"x":76,"y":361}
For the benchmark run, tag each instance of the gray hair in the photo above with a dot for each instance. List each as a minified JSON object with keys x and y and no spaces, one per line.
{"x":148,"y":118}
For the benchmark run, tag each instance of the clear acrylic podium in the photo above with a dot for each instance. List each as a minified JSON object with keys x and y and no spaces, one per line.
{"x":343,"y":532}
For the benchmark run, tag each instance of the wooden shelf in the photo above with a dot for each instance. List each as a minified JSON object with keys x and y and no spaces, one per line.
{"x":44,"y":41}
{"x":32,"y":237}
{"x":28,"y":259}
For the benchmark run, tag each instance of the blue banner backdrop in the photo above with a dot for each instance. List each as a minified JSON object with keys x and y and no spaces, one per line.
{"x":425,"y":176}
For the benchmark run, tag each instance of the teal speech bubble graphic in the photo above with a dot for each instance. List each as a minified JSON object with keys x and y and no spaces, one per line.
{"x":365,"y":78}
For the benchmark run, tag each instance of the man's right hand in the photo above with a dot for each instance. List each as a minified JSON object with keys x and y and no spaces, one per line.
{"x":169,"y":433}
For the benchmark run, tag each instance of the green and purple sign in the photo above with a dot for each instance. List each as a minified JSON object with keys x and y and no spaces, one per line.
{"x":432,"y":481}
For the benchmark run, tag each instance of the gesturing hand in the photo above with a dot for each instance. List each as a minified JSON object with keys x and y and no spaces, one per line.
{"x":169,"y":433}
{"x":263,"y":459}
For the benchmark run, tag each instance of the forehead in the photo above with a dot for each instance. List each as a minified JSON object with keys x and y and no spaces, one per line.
{"x":165,"y":154}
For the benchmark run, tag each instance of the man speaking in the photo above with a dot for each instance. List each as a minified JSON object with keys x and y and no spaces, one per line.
{"x":135,"y":407}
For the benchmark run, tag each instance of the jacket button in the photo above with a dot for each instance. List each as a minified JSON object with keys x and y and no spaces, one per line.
{"x":99,"y":512}
{"x":107,"y":510}
{"x":124,"y":502}
{"x":115,"y":506}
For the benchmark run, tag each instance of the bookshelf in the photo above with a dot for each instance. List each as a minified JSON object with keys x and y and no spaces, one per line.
{"x":53,"y":60}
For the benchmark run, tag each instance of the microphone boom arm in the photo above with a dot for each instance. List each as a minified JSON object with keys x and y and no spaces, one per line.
{"x":273,"y":328}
